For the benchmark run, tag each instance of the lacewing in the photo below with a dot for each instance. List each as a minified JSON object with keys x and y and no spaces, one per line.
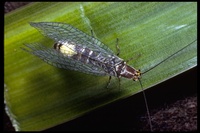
{"x":75,"y":50}
{"x":78,"y":51}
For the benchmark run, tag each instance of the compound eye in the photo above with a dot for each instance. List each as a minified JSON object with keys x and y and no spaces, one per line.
{"x":138,"y":73}
{"x":136,"y":77}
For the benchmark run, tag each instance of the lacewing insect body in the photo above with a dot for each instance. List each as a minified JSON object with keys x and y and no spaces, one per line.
{"x":75,"y":50}
{"x":78,"y":51}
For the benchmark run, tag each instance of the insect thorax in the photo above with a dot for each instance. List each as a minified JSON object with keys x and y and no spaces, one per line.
{"x":126,"y":71}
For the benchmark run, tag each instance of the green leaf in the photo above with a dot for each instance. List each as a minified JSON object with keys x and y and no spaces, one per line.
{"x":39,"y":96}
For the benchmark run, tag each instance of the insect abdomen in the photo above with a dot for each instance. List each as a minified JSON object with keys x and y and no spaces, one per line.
{"x":71,"y":50}
{"x":95,"y":59}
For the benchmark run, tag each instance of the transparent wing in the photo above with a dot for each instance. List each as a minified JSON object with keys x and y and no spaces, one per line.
{"x":57,"y":59}
{"x":61,"y":32}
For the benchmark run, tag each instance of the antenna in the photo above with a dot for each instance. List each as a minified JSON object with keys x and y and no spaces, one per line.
{"x":168,"y":57}
{"x":147,"y":107}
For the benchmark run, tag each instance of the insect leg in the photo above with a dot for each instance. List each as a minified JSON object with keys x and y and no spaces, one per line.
{"x":117,"y":47}
{"x":119,"y":82}
{"x":92,"y":33}
{"x":93,"y":38}
{"x":108,"y":82}
{"x":118,"y":52}
{"x":133,"y":58}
